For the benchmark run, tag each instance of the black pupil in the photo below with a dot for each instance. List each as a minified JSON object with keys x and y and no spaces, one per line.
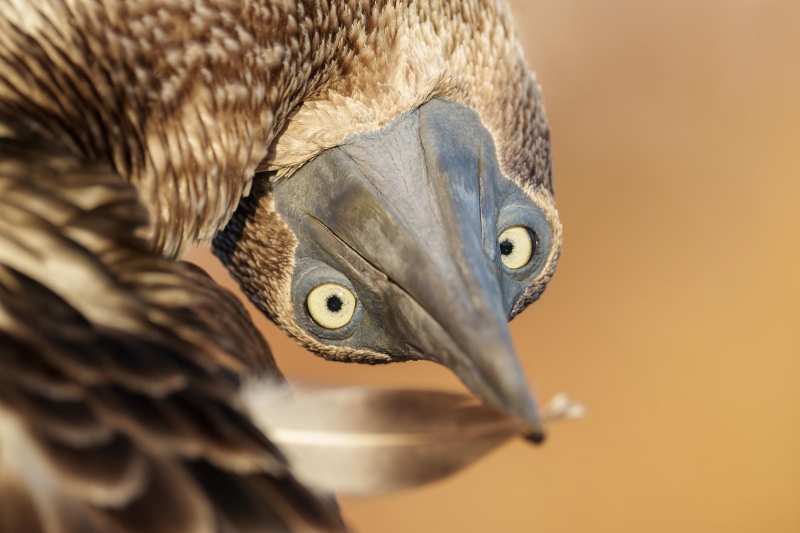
{"x":334,"y":304}
{"x":506,"y":247}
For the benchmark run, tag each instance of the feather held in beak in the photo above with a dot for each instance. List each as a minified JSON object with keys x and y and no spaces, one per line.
{"x":363,"y":441}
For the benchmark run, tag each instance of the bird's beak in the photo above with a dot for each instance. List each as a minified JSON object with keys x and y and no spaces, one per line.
{"x":410,"y":215}
{"x":453,"y":313}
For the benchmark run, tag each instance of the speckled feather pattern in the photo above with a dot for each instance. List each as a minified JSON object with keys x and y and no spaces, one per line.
{"x":185,"y":101}
{"x":120,"y":372}
{"x":187,"y":98}
{"x":396,"y":56}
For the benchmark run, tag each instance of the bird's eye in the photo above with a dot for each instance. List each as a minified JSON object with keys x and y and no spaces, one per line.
{"x":331,"y":305}
{"x":517,"y":246}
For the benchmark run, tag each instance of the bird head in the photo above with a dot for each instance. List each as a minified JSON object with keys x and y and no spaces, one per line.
{"x":411,"y":224}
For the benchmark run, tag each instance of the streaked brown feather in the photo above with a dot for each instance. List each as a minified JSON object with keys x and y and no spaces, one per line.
{"x":183,"y":101}
{"x":119,"y":406}
{"x":368,"y":441}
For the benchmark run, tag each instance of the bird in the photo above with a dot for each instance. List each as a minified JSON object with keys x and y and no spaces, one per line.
{"x":376,"y":175}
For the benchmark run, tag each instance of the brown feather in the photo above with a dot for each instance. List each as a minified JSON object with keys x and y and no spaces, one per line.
{"x":119,"y":398}
{"x":18,"y":512}
{"x":130,"y":130}
{"x":367,"y":441}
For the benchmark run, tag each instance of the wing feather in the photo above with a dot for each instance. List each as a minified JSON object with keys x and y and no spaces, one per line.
{"x":120,"y":372}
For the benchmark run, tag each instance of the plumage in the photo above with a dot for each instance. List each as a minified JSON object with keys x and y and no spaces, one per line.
{"x":367,"y":441}
{"x":119,"y":407}
{"x":130,"y":130}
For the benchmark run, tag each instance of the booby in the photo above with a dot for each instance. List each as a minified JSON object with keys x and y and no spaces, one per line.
{"x":407,"y":209}
{"x":378,"y":179}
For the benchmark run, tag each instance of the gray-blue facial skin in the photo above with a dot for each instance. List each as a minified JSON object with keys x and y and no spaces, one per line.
{"x":408,"y":219}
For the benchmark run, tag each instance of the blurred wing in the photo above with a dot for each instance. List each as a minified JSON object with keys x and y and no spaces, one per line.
{"x":120,"y":372}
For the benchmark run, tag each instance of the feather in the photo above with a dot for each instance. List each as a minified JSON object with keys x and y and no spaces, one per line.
{"x":119,"y":406}
{"x":362,"y":441}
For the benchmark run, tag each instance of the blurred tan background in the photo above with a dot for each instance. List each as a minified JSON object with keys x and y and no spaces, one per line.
{"x":675,"y":314}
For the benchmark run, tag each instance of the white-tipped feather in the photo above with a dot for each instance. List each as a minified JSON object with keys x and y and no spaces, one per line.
{"x":362,"y":441}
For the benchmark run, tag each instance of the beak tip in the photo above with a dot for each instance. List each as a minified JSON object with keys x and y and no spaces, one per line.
{"x":536,"y":435}
{"x":534,"y":431}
